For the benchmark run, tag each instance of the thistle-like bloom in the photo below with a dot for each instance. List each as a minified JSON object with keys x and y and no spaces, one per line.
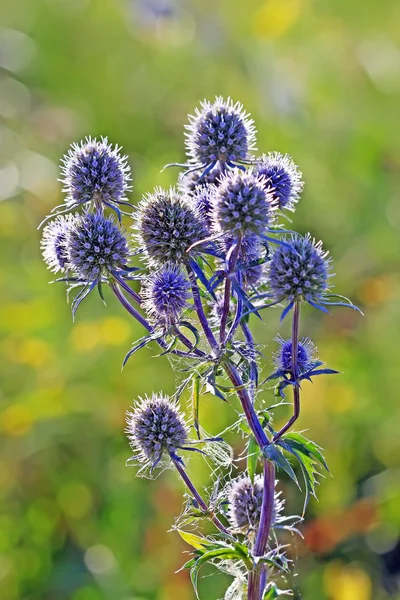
{"x":242,"y":204}
{"x":244,"y":503}
{"x":95,"y":171}
{"x":166,"y":293}
{"x":168,"y":224}
{"x":53,"y":243}
{"x":283,"y":178}
{"x":96,"y":247}
{"x":221,"y":131}
{"x":300,"y":271}
{"x":203,"y":199}
{"x":156,"y":429}
{"x":306,"y":355}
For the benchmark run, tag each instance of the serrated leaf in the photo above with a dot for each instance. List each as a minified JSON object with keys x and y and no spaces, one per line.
{"x":274,"y":454}
{"x":196,"y":404}
{"x":301,"y":443}
{"x":225,"y":553}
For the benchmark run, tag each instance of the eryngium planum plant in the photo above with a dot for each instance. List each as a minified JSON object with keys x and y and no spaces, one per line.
{"x":210,"y":256}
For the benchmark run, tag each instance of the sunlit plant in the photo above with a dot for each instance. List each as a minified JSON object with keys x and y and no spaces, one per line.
{"x":210,"y":256}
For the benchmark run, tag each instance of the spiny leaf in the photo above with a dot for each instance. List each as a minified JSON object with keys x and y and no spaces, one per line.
{"x":193,"y":540}
{"x":196,"y":404}
{"x":274,"y":454}
{"x":301,"y":443}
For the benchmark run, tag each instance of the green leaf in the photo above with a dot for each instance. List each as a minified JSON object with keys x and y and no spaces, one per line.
{"x":225,"y":553}
{"x":307,"y":464}
{"x":193,"y":540}
{"x":274,"y":592}
{"x":305,"y":446}
{"x":274,"y":454}
{"x":253,"y":454}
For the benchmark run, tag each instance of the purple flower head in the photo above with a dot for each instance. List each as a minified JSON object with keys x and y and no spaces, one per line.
{"x":166,"y":293}
{"x":96,"y":247}
{"x":190,"y":182}
{"x":168,"y":224}
{"x":300,"y":272}
{"x":221,"y":131}
{"x":203,"y":200}
{"x":155,"y":428}
{"x":306,"y":355}
{"x":95,"y":171}
{"x":244,"y":503}
{"x":252,"y":251}
{"x":282,"y":177}
{"x":242,"y":204}
{"x":53,"y":243}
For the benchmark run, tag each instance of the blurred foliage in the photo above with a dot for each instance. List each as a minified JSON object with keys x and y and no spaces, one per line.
{"x":322,"y":80}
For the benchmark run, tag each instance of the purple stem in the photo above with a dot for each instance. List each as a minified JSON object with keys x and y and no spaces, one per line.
{"x":200,"y":311}
{"x":198,"y":498}
{"x":257,"y":578}
{"x":228,"y":287}
{"x":296,"y":388}
{"x":247,"y":405}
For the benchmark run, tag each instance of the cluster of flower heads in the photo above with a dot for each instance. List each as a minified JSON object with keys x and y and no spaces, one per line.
{"x":214,"y":244}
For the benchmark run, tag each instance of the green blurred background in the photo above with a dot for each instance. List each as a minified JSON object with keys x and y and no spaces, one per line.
{"x":322,"y":80}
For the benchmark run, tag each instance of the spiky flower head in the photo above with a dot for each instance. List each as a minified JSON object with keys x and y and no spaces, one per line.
{"x":282,"y":177}
{"x":306,"y":355}
{"x":166,"y":293}
{"x":168,"y":224}
{"x":244,"y":503}
{"x":251,"y":261}
{"x":242,"y":204}
{"x":53,"y":243}
{"x":219,"y":131}
{"x":96,"y":246}
{"x":203,"y":200}
{"x":188,"y":183}
{"x":300,"y":271}
{"x":96,"y":171}
{"x":155,"y":429}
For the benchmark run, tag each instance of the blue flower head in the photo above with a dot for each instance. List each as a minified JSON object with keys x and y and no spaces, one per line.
{"x":166,"y":293}
{"x":53,"y":243}
{"x":203,"y":200}
{"x":244,"y":503}
{"x":95,"y":171}
{"x":306,"y":355}
{"x":283,"y":178}
{"x":300,"y":271}
{"x":251,"y":264}
{"x":156,"y":429}
{"x":96,"y":247}
{"x":168,"y":224}
{"x":221,"y":131}
{"x":242,"y":204}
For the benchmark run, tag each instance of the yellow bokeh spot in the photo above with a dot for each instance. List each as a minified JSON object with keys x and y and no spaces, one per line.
{"x":16,"y":420}
{"x":341,"y":399}
{"x":85,"y":337}
{"x":114,"y":331}
{"x":275,"y":17}
{"x":34,"y":352}
{"x":347,"y":582}
{"x":75,"y":499}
